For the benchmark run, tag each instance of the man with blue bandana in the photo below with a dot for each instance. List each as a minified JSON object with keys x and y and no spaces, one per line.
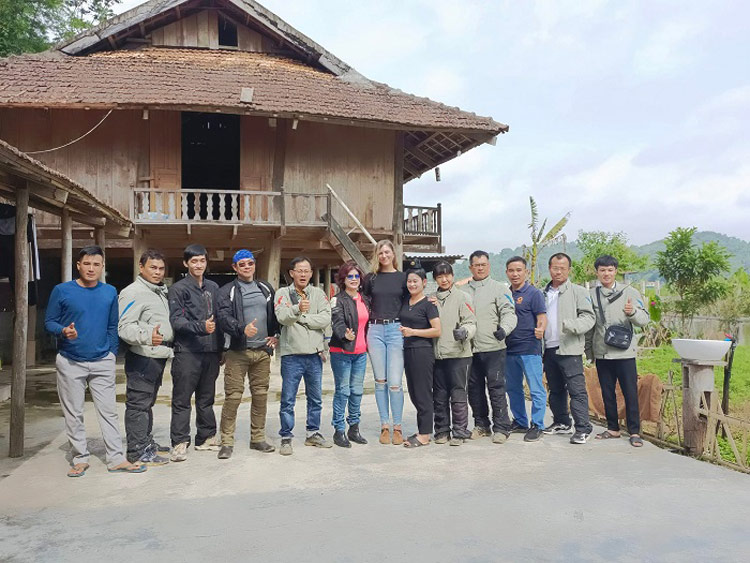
{"x":246,"y":315}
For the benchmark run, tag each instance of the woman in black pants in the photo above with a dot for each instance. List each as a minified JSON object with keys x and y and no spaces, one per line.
{"x":420,"y":323}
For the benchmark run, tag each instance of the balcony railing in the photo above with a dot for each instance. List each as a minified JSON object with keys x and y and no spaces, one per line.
{"x":228,"y":206}
{"x":423,"y":221}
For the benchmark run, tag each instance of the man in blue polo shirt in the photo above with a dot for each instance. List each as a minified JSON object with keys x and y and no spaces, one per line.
{"x":82,"y":314}
{"x":525,"y":352}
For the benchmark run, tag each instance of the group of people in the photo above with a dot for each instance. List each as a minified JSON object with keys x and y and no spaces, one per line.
{"x":471,"y":340}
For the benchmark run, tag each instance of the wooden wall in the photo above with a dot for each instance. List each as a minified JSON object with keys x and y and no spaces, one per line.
{"x":357,"y":162}
{"x":108,"y":162}
{"x":202,"y":30}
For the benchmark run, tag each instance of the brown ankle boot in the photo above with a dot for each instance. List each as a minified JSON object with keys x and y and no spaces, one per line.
{"x":385,"y":435}
{"x":398,"y":437}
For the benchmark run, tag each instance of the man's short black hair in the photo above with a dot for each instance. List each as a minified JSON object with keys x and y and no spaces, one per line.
{"x":606,"y":260}
{"x":193,"y":250}
{"x":560,"y":256}
{"x":92,"y":250}
{"x":151,"y":254}
{"x":512,"y":259}
{"x":299,"y":259}
{"x":440,"y":269}
{"x":478,"y":254}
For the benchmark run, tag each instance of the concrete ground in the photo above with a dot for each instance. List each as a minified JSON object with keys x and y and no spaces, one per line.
{"x":547,"y":501}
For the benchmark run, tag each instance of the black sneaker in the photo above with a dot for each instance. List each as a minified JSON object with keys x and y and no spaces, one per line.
{"x":225,"y":452}
{"x":442,"y":438}
{"x":579,"y":438}
{"x":516,"y":428}
{"x":534,"y":434}
{"x":559,"y":428}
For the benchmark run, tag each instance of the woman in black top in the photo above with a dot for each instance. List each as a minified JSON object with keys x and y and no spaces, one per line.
{"x":420,"y":323}
{"x":386,"y":287}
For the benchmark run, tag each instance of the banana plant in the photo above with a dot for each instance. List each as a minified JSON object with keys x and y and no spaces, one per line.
{"x":541,"y":239}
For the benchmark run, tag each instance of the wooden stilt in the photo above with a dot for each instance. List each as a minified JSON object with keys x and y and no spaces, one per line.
{"x":20,"y":332}
{"x":100,"y":239}
{"x":66,"y":263}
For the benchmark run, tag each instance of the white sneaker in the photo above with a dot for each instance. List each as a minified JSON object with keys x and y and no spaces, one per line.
{"x":211,"y":444}
{"x":179,"y":452}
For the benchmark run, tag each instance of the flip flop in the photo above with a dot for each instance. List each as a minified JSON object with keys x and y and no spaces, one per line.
{"x":636,"y":441}
{"x":132,"y":468}
{"x":413,"y":442}
{"x":78,"y":470}
{"x":606,"y":435}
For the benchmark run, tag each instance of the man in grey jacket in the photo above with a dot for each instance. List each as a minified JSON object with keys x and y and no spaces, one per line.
{"x":144,"y":326}
{"x":304,"y":313}
{"x":570,"y":315}
{"x":496,"y":318}
{"x":620,"y":305}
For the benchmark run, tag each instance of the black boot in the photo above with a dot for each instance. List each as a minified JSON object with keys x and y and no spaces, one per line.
{"x":354,"y":434}
{"x":340,"y":439}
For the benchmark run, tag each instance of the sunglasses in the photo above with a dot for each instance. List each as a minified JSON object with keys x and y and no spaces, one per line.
{"x":352,"y":276}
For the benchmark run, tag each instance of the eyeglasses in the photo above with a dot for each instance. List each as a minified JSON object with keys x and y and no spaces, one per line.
{"x":304,"y":272}
{"x":352,"y":276}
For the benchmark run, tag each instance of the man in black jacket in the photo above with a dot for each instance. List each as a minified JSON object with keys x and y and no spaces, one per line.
{"x":192,"y":314}
{"x":246,"y":315}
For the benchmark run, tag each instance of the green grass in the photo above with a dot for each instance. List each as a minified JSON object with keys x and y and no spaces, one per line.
{"x":659,"y":361}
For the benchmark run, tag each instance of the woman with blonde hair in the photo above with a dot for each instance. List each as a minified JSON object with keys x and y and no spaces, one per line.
{"x":386,"y":287}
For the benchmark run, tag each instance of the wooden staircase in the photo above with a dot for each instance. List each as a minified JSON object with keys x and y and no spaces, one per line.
{"x":340,"y":239}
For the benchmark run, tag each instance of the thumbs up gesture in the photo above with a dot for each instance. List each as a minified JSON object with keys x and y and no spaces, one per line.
{"x":156,"y":337}
{"x":250,"y":329}
{"x":210,"y":325}
{"x":629,"y":309}
{"x":304,"y":305}
{"x":70,"y":332}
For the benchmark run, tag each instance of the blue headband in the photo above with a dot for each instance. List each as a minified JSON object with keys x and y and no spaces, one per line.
{"x":242,"y":255}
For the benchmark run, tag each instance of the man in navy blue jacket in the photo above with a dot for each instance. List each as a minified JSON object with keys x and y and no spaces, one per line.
{"x":82,"y":314}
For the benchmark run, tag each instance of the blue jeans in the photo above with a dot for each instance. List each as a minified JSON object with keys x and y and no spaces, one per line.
{"x":385,"y":344}
{"x":294,"y":368}
{"x":349,"y":375}
{"x":531,"y":366}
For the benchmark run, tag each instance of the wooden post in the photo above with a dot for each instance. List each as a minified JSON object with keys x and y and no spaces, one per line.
{"x":697,"y":381}
{"x":100,"y":240}
{"x":139,"y":247}
{"x":327,"y":281}
{"x":398,"y":199}
{"x":66,"y":261}
{"x":272,"y":263}
{"x":316,"y":277}
{"x":21,"y":327}
{"x":279,"y":164}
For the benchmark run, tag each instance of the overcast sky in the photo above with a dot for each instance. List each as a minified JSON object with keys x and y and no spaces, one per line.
{"x":631,"y":115}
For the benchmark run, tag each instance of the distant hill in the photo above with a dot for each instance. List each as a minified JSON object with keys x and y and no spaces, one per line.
{"x":738,"y":248}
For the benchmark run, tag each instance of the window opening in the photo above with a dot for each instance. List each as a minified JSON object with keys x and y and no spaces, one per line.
{"x":227,"y":32}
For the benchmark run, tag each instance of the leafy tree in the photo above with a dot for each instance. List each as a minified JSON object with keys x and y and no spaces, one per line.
{"x":693,"y":273}
{"x":540,"y":238}
{"x":30,"y":26}
{"x":595,"y":243}
{"x":736,"y":303}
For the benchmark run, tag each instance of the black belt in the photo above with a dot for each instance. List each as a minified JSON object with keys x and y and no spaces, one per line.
{"x":384,"y":321}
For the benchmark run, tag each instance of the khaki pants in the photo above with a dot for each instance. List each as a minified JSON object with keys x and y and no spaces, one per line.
{"x":256,"y":364}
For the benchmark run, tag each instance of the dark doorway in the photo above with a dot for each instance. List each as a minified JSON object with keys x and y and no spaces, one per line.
{"x":210,"y":159}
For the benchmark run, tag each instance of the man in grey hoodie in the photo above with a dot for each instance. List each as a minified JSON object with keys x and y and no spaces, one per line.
{"x":144,"y":326}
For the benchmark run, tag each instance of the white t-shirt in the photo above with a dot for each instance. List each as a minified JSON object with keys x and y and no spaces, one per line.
{"x":551,"y":338}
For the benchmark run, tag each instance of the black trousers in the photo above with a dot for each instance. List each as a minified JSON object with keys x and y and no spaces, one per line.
{"x":451,"y":378}
{"x":419,"y":364}
{"x":565,"y":377}
{"x":488,"y":370}
{"x":626,"y":372}
{"x":144,"y":376}
{"x":193,"y":373}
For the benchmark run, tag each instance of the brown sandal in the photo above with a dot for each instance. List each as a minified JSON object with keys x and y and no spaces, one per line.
{"x":398,"y":437}
{"x":385,"y":435}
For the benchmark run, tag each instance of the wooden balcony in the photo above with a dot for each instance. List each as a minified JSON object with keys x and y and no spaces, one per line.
{"x":152,"y":207}
{"x":228,"y":207}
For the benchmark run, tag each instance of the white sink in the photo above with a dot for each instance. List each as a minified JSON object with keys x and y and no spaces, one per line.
{"x":701,"y":350}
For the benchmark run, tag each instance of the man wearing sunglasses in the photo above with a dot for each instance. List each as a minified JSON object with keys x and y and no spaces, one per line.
{"x":246,"y":316}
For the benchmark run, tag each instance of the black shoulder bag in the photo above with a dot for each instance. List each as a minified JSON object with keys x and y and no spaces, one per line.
{"x":617,"y":336}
